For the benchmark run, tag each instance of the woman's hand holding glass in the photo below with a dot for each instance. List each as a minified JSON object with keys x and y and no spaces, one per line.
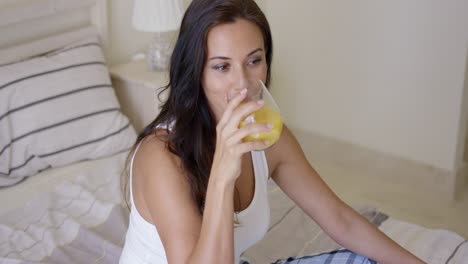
{"x":268,"y":114}
{"x":230,"y":145}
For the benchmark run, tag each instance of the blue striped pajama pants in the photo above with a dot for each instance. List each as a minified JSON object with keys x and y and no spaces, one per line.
{"x":334,"y":257}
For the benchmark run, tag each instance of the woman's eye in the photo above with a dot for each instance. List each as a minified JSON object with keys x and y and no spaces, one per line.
{"x":255,"y":61}
{"x":221,"y":67}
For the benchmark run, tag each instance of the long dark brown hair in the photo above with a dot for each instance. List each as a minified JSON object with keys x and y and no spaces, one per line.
{"x":193,"y":134}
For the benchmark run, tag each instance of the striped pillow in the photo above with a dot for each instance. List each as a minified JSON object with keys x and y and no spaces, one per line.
{"x":58,"y":109}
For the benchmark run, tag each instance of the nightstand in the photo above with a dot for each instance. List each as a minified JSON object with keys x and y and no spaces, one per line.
{"x":137,"y":89}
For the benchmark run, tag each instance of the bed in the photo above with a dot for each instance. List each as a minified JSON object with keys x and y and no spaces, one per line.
{"x":64,"y":141}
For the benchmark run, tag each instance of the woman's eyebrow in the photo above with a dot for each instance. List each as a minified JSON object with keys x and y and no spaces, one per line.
{"x":252,"y":52}
{"x":227,"y":58}
{"x":220,"y":57}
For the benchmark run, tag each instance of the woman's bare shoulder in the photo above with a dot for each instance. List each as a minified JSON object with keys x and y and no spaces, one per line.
{"x":159,"y":175}
{"x":287,"y":147}
{"x":154,"y":152}
{"x":155,"y":165}
{"x":165,"y":196}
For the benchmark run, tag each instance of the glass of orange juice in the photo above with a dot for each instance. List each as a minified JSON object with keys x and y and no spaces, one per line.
{"x":268,"y":114}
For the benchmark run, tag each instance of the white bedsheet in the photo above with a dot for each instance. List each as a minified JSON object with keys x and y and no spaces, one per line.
{"x":18,"y":195}
{"x":73,"y":214}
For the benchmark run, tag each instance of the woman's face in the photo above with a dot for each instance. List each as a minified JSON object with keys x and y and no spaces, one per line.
{"x":235,"y":54}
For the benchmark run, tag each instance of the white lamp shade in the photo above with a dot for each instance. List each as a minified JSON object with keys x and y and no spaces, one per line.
{"x":157,"y":15}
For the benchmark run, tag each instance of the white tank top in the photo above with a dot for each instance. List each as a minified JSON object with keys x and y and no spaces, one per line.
{"x":143,"y":244}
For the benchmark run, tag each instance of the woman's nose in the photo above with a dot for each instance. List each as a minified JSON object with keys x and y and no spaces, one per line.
{"x":243,"y":79}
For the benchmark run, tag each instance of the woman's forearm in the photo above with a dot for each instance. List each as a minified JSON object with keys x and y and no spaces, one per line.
{"x":363,"y":238}
{"x":216,"y":240}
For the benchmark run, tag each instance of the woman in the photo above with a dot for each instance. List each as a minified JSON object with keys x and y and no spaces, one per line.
{"x":197,"y":192}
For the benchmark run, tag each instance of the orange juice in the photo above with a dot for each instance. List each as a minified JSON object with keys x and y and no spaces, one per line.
{"x":265,"y":115}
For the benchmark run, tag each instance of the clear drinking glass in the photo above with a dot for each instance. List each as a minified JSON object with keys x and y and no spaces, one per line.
{"x":268,"y":114}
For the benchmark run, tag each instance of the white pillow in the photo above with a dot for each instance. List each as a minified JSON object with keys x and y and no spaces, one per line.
{"x":58,"y":109}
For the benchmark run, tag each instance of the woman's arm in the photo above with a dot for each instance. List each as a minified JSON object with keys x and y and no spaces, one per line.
{"x":163,"y":192}
{"x":294,"y":175}
{"x":163,"y":197}
{"x":375,"y":244}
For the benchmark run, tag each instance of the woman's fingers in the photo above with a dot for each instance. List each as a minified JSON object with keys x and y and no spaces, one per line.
{"x":242,"y":111}
{"x":248,"y":129}
{"x":251,"y":145}
{"x":229,"y":133}
{"x":231,"y":106}
{"x":229,"y":145}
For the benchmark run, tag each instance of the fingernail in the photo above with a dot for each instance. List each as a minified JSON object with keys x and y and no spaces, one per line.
{"x":269,"y":126}
{"x":243,"y":91}
{"x":260,"y":102}
{"x":266,"y":142}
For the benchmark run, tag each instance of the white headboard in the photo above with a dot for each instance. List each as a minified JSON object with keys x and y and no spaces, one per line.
{"x":32,"y":27}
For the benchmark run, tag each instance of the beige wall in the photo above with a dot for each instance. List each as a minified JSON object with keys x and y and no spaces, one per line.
{"x":125,"y":41}
{"x":387,"y":75}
